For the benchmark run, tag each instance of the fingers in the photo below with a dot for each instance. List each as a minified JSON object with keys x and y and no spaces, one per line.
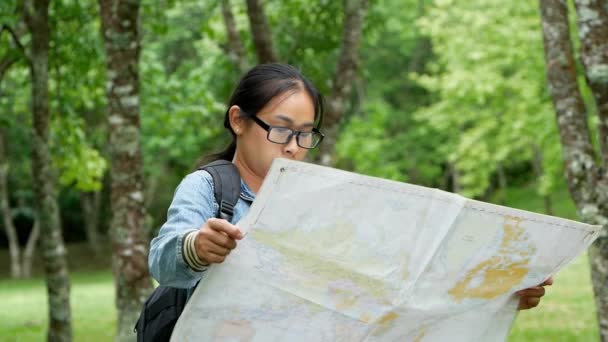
{"x":547,"y":282}
{"x":215,"y":239}
{"x":530,"y":298}
{"x":526,"y":303}
{"x":220,"y":225}
{"x":213,"y":258}
{"x":221,"y":239}
{"x":537,"y":291}
{"x":211,"y":247}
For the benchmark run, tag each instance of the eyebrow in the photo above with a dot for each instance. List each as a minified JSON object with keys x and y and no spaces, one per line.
{"x":290,"y":121}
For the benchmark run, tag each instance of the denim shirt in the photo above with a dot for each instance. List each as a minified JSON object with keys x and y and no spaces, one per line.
{"x":193,"y":204}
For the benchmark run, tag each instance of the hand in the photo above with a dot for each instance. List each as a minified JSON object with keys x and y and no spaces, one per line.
{"x":215,"y":239}
{"x":529,"y":298}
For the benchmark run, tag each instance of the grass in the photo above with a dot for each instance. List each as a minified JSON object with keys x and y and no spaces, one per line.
{"x":23,"y":309}
{"x":566,"y":313}
{"x":526,"y":198}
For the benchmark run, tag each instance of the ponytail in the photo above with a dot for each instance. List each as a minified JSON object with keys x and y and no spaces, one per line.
{"x":226,"y":154}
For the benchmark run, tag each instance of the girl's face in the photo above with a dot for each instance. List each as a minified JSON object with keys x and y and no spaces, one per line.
{"x":294,"y":110}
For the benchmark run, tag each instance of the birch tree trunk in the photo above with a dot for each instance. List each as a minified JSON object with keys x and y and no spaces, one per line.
{"x":129,"y":242}
{"x":587,"y":182}
{"x":344,"y":77}
{"x":53,"y":249}
{"x":262,"y":36}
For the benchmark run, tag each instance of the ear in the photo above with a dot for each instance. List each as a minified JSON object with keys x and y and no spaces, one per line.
{"x":237,"y":120}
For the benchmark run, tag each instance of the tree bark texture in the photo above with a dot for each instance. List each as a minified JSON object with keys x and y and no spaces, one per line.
{"x":52,"y":246}
{"x":262,"y":36}
{"x":129,"y":242}
{"x":587,"y":181}
{"x":592,"y":19}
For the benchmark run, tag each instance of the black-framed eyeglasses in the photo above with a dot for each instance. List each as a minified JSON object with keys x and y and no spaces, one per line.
{"x":283,"y":135}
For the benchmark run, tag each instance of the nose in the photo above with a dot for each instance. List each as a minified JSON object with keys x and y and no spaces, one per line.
{"x":291,"y":148}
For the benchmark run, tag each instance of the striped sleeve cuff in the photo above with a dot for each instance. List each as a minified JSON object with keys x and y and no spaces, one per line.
{"x":189,"y":252}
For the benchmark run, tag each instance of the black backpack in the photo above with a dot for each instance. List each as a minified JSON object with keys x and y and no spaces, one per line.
{"x":164,"y":306}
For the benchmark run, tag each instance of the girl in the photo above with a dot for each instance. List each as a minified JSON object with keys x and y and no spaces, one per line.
{"x":273,"y":112}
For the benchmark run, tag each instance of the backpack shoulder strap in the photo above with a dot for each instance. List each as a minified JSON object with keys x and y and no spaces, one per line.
{"x":226,"y":184}
{"x":164,"y":306}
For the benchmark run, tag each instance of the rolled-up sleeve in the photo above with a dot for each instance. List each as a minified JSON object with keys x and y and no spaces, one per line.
{"x":193,"y":204}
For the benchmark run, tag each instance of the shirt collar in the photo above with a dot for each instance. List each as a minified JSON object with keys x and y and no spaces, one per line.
{"x":246,"y":192}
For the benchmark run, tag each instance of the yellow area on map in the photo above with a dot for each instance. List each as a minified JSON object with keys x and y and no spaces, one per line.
{"x":501,"y":272}
{"x":420,"y":335}
{"x":384,"y":323}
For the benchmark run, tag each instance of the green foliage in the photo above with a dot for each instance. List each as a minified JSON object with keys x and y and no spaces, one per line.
{"x":440,"y":85}
{"x":185,"y":80}
{"x":408,"y":156}
{"x":308,"y":36}
{"x":78,"y":163}
{"x":15,"y":124}
{"x":489,"y":80}
{"x":365,"y":146}
{"x":76,"y":91}
{"x":384,"y":138}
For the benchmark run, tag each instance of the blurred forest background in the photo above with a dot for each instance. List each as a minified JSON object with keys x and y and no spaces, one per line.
{"x":105,"y":106}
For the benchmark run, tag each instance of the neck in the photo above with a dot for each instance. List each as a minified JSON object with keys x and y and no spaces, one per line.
{"x":253,"y":181}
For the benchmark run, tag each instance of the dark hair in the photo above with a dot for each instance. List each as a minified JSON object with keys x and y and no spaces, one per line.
{"x":258,"y":87}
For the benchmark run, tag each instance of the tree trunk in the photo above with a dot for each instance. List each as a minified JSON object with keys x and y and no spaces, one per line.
{"x":423,"y":50}
{"x":30,"y":248}
{"x":236,"y":50}
{"x":129,"y":243}
{"x":537,"y":166}
{"x":344,"y":77}
{"x":53,"y":249}
{"x":89,"y":202}
{"x":262,"y":36}
{"x":454,"y":177}
{"x":592,"y":18}
{"x":578,"y":152}
{"x":502,"y":184}
{"x":7,"y":215}
{"x":587,"y":183}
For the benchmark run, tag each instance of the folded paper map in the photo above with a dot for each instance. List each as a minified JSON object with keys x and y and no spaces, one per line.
{"x":331,"y":255}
